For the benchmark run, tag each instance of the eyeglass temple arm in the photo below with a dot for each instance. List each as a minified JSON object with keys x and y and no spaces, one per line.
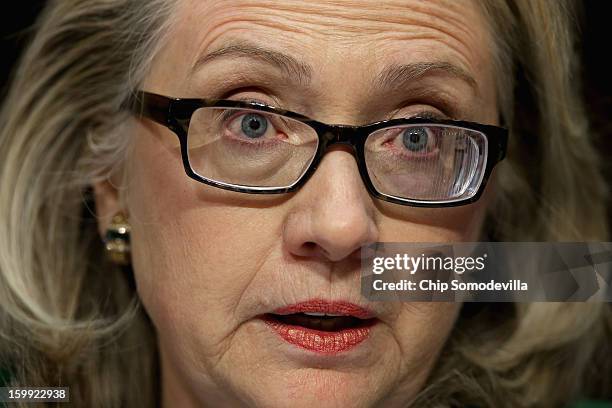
{"x":151,"y":106}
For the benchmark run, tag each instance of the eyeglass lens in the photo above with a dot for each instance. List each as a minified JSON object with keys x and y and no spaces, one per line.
{"x":250,"y":148}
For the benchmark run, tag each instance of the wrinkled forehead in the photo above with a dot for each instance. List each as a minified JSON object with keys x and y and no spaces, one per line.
{"x":362,"y":36}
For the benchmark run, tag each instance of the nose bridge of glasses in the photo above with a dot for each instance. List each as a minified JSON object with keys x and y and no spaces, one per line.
{"x":344,"y":135}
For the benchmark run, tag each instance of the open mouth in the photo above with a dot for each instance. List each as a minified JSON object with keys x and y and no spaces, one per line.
{"x":322,"y":327}
{"x":320,"y":321}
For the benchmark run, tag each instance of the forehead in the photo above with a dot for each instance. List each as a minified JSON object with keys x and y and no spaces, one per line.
{"x":333,"y":36}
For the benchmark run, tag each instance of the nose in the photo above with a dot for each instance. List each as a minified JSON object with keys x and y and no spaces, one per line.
{"x":333,"y":214}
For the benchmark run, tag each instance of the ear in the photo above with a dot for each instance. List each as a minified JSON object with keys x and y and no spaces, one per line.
{"x":108,"y":203}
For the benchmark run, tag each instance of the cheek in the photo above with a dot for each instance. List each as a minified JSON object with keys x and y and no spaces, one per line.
{"x":191,"y":257}
{"x":452,"y":224}
{"x":421,"y":331}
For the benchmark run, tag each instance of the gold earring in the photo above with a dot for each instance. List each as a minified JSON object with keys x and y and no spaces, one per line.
{"x":117,"y":240}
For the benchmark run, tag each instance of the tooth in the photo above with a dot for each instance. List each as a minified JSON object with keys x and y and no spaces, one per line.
{"x":334,"y":315}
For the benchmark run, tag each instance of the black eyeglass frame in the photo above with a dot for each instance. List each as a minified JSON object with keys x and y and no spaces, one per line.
{"x":176,"y":113}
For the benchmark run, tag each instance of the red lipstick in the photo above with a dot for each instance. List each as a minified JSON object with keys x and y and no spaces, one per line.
{"x":324,"y":327}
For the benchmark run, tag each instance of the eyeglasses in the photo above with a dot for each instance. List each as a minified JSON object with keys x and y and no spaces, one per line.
{"x":254,"y":148}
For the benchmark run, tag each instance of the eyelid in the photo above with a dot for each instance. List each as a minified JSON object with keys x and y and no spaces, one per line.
{"x":263,"y":96}
{"x":423,"y":114}
{"x":434,"y":104}
{"x":251,"y":100}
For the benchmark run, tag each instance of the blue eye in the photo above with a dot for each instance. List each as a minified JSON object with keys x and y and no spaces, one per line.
{"x":415,"y":139}
{"x":254,"y":125}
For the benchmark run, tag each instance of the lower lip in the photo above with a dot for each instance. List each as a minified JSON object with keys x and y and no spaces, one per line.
{"x":322,"y":342}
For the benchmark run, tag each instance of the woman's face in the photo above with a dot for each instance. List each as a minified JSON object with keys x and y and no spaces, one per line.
{"x":210,"y":264}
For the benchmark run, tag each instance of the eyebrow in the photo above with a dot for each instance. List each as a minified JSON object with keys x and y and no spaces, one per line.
{"x":392,"y":77}
{"x":289,"y":65}
{"x":395,"y":76}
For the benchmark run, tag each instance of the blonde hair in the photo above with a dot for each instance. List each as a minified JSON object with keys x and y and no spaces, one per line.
{"x":549,"y":189}
{"x":69,"y":317}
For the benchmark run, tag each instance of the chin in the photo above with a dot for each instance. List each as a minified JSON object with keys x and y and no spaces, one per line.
{"x":316,"y":387}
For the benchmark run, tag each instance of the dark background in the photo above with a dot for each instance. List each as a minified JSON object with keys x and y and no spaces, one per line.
{"x":596,"y":50}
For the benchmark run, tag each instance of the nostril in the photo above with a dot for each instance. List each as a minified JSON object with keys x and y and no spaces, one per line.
{"x":310,"y":245}
{"x":311,"y":248}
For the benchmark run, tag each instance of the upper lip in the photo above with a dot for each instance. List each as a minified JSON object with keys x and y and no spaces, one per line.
{"x":328,"y":307}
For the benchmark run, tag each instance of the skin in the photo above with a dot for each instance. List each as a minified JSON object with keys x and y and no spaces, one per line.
{"x":208,"y":261}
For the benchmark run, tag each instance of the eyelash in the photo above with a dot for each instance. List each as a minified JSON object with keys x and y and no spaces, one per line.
{"x":423,"y":114}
